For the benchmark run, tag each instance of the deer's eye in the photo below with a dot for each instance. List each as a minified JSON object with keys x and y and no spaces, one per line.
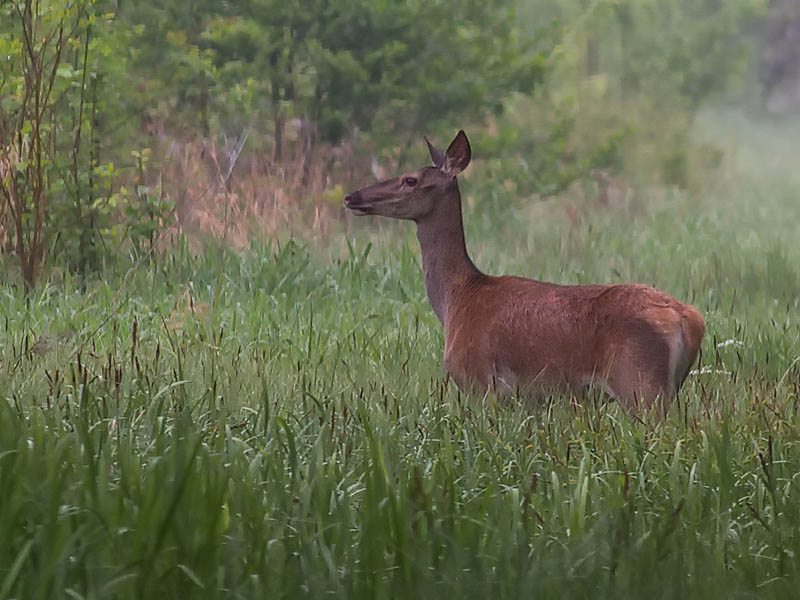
{"x":410,"y":181}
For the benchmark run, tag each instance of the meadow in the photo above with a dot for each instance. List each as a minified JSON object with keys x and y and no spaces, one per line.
{"x":276,"y":422}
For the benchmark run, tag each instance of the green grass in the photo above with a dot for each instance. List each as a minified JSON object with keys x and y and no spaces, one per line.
{"x":289,"y":432}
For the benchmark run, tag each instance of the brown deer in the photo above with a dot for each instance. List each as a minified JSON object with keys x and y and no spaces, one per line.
{"x":510,"y":334}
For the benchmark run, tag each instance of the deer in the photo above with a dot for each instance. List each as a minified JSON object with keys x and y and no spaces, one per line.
{"x":509,"y":335}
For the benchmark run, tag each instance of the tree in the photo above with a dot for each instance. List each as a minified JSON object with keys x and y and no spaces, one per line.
{"x":779,"y":64}
{"x":61,"y":73}
{"x":346,"y":65}
{"x":40,"y":41}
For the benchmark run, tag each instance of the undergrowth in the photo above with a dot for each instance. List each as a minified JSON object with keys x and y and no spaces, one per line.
{"x":276,"y":422}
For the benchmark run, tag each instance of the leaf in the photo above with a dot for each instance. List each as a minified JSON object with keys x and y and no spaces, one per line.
{"x":65,"y":70}
{"x":16,"y":567}
{"x":192,"y":576}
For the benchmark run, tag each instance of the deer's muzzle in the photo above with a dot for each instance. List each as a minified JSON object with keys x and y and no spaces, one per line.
{"x":355,"y":202}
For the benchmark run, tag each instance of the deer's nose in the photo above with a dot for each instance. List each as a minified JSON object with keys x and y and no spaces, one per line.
{"x":351,"y":199}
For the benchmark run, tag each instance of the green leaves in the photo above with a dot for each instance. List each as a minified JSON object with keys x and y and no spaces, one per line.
{"x":352,"y":64}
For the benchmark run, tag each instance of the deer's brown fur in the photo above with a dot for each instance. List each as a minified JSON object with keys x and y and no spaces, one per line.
{"x":511,"y":333}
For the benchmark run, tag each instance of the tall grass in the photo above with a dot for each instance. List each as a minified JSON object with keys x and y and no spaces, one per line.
{"x":276,"y":422}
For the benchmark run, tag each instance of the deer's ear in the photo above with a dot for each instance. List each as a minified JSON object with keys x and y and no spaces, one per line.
{"x":458,"y":154}
{"x":436,"y":155}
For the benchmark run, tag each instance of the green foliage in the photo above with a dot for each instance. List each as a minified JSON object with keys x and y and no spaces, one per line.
{"x":279,"y":425}
{"x":394,"y":66}
{"x":624,"y":84}
{"x":61,"y":84}
{"x":42,"y":45}
{"x":148,"y":209}
{"x":551,"y":93}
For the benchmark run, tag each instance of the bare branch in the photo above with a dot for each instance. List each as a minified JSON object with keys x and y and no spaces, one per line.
{"x":233,"y":155}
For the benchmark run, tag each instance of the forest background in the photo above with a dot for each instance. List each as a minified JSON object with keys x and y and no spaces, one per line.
{"x":122,"y":121}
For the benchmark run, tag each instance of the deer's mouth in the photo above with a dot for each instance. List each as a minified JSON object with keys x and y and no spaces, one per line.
{"x":355,"y":203}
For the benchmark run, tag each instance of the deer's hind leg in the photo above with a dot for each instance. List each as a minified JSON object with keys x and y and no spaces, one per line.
{"x":641,"y":370}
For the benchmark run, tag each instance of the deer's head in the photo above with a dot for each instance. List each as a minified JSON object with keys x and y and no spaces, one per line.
{"x":414,"y":195}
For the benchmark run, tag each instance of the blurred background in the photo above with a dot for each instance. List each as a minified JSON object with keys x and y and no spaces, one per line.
{"x":124,"y":123}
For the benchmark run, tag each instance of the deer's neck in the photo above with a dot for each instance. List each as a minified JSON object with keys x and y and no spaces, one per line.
{"x":445,"y":261}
